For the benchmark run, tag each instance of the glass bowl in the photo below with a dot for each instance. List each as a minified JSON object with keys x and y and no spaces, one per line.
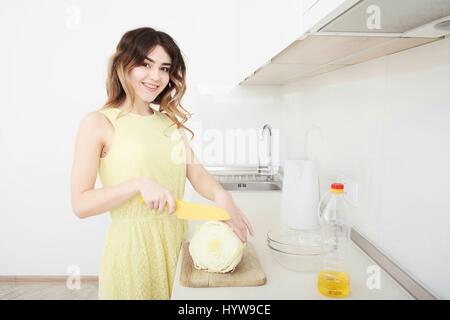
{"x":299,"y":250}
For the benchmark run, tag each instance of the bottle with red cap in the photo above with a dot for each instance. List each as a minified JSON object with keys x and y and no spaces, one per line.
{"x":335,"y":225}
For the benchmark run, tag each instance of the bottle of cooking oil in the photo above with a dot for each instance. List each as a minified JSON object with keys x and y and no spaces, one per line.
{"x":335,"y":225}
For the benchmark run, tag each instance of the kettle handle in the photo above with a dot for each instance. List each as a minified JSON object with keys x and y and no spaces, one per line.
{"x":307,"y":140}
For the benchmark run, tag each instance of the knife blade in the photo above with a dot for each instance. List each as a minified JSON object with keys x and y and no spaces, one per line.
{"x":195,"y":211}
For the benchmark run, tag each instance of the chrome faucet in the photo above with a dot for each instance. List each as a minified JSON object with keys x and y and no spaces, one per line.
{"x":267,"y":168}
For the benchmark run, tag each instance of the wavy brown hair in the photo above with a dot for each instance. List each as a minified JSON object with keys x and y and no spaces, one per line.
{"x":131,"y":51}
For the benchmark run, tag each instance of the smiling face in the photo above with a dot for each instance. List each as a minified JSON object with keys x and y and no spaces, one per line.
{"x":150,"y":78}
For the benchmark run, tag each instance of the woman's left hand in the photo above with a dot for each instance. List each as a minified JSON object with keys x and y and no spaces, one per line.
{"x":238,"y":222}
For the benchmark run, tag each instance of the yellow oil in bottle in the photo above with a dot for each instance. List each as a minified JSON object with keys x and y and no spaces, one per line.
{"x":335,"y":284}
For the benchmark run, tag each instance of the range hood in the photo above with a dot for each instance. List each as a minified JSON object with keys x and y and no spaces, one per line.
{"x":394,"y":17}
{"x":345,"y":38}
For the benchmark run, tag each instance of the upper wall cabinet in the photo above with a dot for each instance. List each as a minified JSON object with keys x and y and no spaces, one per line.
{"x":316,"y":11}
{"x":312,"y":37}
{"x":263,"y":29}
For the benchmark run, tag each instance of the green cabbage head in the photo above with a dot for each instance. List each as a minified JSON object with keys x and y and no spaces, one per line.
{"x":216,"y":248}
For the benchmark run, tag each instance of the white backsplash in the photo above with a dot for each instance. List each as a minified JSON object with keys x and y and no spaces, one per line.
{"x":227,"y":121}
{"x":385,"y":124}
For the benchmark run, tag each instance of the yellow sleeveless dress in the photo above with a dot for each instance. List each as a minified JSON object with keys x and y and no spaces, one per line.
{"x":142,"y":245}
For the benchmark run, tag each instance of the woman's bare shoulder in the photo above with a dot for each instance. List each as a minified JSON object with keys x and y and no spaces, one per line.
{"x":92,"y":117}
{"x":96,"y":123}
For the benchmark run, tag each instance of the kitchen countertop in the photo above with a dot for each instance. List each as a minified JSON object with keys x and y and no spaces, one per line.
{"x":263,"y":210}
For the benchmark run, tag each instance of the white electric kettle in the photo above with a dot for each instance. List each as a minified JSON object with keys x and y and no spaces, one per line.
{"x":300,"y":195}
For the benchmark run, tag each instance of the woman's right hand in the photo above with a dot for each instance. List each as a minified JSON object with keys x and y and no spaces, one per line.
{"x":155,"y":195}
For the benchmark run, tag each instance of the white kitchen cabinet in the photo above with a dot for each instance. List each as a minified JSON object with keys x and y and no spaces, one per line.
{"x":306,"y":5}
{"x":317,"y":11}
{"x":331,"y":37}
{"x":263,"y":29}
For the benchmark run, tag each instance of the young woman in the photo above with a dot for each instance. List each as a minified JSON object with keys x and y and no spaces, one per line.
{"x":136,"y":151}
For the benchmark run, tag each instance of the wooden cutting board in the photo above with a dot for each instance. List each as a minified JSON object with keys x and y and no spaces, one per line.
{"x":247,"y":273}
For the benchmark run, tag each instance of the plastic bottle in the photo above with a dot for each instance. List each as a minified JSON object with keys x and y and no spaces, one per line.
{"x":335,"y":225}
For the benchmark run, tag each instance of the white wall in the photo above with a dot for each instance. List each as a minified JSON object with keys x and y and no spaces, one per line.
{"x":385,"y":124}
{"x":53,"y":64}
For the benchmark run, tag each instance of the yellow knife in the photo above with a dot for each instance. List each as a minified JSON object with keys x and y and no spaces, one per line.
{"x":194,"y":211}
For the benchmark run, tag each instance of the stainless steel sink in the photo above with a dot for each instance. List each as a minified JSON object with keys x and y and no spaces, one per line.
{"x":246,"y":179}
{"x":251,"y":186}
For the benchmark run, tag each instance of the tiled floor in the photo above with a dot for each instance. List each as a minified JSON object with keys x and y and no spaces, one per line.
{"x":47,"y":291}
